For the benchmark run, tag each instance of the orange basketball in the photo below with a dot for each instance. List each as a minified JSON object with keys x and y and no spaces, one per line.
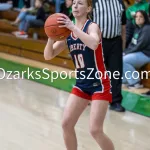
{"x":53,"y":30}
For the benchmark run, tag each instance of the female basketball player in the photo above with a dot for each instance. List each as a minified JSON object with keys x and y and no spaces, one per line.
{"x":85,"y":47}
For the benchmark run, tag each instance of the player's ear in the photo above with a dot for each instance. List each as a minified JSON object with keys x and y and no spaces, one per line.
{"x":89,"y":9}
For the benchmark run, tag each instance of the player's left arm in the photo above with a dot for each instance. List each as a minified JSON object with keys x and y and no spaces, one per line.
{"x":91,"y":39}
{"x":94,"y":31}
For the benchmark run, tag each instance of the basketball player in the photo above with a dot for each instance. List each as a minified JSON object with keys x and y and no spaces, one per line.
{"x":85,"y":47}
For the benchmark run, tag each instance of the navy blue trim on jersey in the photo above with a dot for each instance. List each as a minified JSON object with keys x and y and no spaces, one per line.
{"x":88,"y":62}
{"x":84,"y":60}
{"x":84,"y":28}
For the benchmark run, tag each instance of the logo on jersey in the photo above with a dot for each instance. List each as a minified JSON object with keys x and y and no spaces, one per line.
{"x":77,"y":46}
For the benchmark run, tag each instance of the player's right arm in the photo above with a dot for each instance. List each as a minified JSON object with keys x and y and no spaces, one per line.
{"x":53,"y":49}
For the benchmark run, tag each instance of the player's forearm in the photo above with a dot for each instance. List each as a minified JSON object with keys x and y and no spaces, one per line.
{"x":48,"y":51}
{"x":88,"y":40}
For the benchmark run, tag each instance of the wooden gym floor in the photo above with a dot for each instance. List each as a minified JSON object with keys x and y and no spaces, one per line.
{"x":31,"y":113}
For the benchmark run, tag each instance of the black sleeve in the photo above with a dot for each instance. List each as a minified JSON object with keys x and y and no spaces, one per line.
{"x":40,"y":14}
{"x":142,"y":42}
{"x":129,"y":31}
{"x":27,"y":3}
{"x":62,"y":8}
{"x":15,"y":3}
{"x":4,"y":1}
{"x":124,"y":19}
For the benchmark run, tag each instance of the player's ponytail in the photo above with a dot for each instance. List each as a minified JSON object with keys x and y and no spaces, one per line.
{"x":89,"y":2}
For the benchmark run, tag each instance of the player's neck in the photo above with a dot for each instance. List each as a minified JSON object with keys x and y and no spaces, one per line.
{"x":80,"y":22}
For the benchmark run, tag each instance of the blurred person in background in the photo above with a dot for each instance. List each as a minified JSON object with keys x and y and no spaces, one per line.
{"x":137,"y":54}
{"x":34,"y":17}
{"x":146,"y":94}
{"x":58,"y":4}
{"x":30,"y":12}
{"x":15,"y":4}
{"x":126,"y":3}
{"x":5,"y":5}
{"x":130,"y":14}
{"x":66,"y":8}
{"x":19,"y":4}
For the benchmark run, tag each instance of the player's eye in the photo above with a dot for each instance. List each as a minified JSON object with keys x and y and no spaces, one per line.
{"x":80,"y":3}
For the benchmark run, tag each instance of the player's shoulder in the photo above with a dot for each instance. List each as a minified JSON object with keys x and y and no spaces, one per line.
{"x":93,"y":24}
{"x":93,"y":27}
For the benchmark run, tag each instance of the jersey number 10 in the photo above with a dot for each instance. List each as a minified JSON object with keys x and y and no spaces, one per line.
{"x":79,"y":61}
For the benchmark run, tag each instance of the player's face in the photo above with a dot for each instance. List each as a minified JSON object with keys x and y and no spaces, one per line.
{"x":80,"y":8}
{"x":139,"y":19}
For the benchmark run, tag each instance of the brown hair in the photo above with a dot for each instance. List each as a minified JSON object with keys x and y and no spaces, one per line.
{"x":89,"y":2}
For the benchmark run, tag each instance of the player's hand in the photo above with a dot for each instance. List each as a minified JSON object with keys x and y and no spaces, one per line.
{"x":50,"y":40}
{"x":66,"y":22}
